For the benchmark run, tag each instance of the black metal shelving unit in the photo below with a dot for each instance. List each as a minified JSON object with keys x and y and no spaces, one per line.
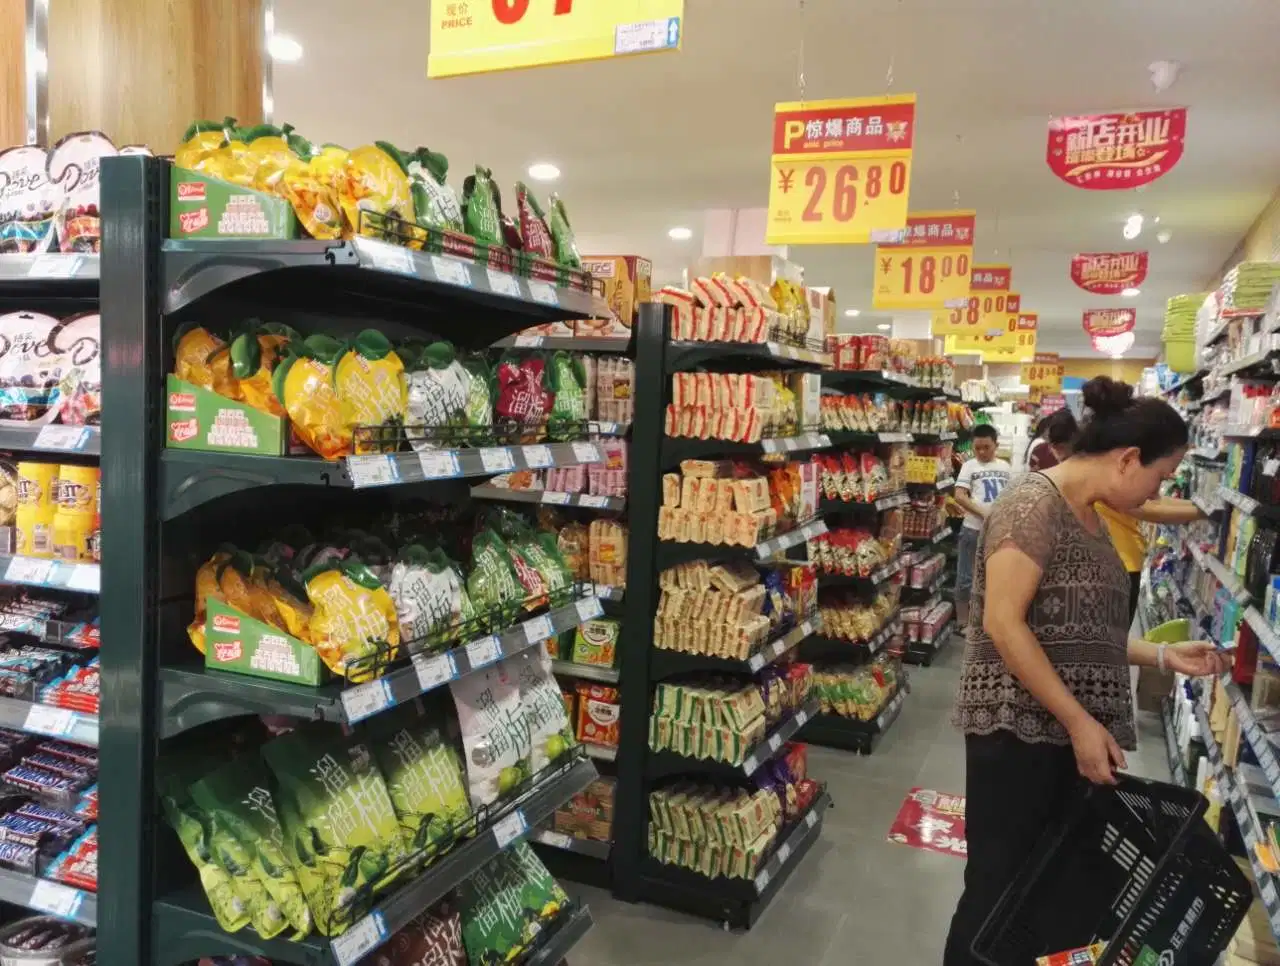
{"x":163,"y":508}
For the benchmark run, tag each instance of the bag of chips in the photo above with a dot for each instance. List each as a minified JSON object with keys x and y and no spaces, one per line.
{"x":354,"y":623}
{"x":506,"y":904}
{"x":305,"y":385}
{"x":495,"y":732}
{"x":369,"y":380}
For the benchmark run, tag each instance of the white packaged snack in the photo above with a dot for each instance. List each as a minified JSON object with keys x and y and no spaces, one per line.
{"x":431,"y":600}
{"x":28,"y":201}
{"x":77,"y":347}
{"x":495,"y":732}
{"x":439,"y":388}
{"x":30,"y":372}
{"x":551,"y":734}
{"x":75,"y":165}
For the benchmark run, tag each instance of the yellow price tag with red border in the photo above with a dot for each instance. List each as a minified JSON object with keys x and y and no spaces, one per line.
{"x":840,"y":170}
{"x":1020,"y":346}
{"x":988,"y":305}
{"x":1044,"y":373}
{"x":929,"y":268}
{"x":477,"y":36}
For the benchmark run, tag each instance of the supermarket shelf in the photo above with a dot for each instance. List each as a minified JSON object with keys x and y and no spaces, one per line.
{"x":1184,"y":382}
{"x":737,"y":903}
{"x":567,"y":343}
{"x":672,"y":552}
{"x":606,"y":592}
{"x":1207,"y":561}
{"x":886,"y":502}
{"x":372,"y":278}
{"x":665,"y":663}
{"x":1266,"y":632}
{"x":872,"y":379}
{"x":185,"y":928}
{"x":571,"y":843}
{"x":1240,"y":431}
{"x":53,"y":574}
{"x":877,"y":577}
{"x":49,"y":274}
{"x":846,"y":437}
{"x":683,"y":355}
{"x":1204,"y":507}
{"x":44,"y":719}
{"x":601,"y":427}
{"x":853,"y":734}
{"x":195,"y":695}
{"x":190,"y":478}
{"x":70,"y":440}
{"x":51,"y":898}
{"x":1248,"y":505}
{"x":943,"y":437}
{"x":600,"y":752}
{"x":923,"y":652}
{"x":507,"y":495}
{"x":1207,"y":454}
{"x":1176,"y":769}
{"x":676,"y":449}
{"x":833,"y":648}
{"x":1262,"y":749}
{"x":1248,"y":362}
{"x":559,"y":938}
{"x":943,"y":533}
{"x":586,"y":672}
{"x":661,"y":764}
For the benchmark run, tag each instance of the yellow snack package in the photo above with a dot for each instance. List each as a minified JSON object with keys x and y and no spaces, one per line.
{"x":245,"y":589}
{"x":206,"y":587}
{"x":198,"y":358}
{"x":354,"y":618}
{"x":271,"y":150}
{"x":200,"y":141}
{"x":375,"y":183}
{"x":290,"y":600}
{"x":254,"y":357}
{"x":304,"y":384}
{"x":371,"y":388}
{"x":314,"y":201}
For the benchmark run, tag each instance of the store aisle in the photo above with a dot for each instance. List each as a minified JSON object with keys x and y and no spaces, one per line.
{"x":856,"y":897}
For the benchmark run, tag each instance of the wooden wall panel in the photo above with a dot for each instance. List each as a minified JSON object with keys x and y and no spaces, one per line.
{"x":13,"y":88}
{"x":140,"y":71}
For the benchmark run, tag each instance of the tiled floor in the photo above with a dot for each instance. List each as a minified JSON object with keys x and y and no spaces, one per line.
{"x":856,"y":898}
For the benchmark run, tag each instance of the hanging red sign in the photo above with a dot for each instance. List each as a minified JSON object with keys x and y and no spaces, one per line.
{"x":1104,"y":323}
{"x":1112,"y":152}
{"x":1108,"y":273}
{"x":933,"y":821}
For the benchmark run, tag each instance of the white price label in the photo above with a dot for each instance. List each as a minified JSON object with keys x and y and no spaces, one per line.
{"x":484,"y":651}
{"x":28,"y":570}
{"x":378,"y":470}
{"x":364,"y":937}
{"x":509,"y":829}
{"x":451,"y":270}
{"x":784,"y":853}
{"x":1269,"y":892}
{"x":497,"y":459}
{"x":56,"y":899}
{"x":538,"y":629}
{"x":811,"y":819}
{"x":586,"y":453}
{"x":775,"y":742}
{"x":762,"y":881}
{"x":44,"y":720}
{"x":434,"y":671}
{"x":537,"y":457}
{"x":555,"y":496}
{"x":589,"y":609}
{"x":1271,"y":467}
{"x":84,"y":577}
{"x":544,"y":293}
{"x":528,"y":341}
{"x":500,"y":283}
{"x":439,"y":465}
{"x":54,"y":265}
{"x":556,"y":839}
{"x":390,"y":258}
{"x":68,"y":439}
{"x":599,"y":502}
{"x":365,"y":700}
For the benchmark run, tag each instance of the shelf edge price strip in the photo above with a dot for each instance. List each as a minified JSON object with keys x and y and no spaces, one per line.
{"x":366,"y":700}
{"x":56,"y":899}
{"x":509,"y":829}
{"x":43,"y":719}
{"x":362,"y":938}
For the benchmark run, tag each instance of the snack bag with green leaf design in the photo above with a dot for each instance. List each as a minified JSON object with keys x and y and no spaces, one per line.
{"x":434,"y":200}
{"x":354,"y":618}
{"x":438,"y":392}
{"x":568,"y":379}
{"x":562,"y":232}
{"x":304,"y":384}
{"x":506,"y":904}
{"x":495,"y":732}
{"x":482,"y":207}
{"x":369,"y":379}
{"x":550,"y":731}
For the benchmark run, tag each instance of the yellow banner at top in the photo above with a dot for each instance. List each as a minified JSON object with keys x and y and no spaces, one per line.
{"x":478,"y":36}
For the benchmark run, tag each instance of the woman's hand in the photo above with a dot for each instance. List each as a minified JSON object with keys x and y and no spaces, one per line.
{"x":1196,"y":659}
{"x":1097,"y":754}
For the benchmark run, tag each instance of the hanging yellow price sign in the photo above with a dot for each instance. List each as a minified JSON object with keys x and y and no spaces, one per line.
{"x":987,"y":308}
{"x":840,"y":170}
{"x":1044,"y":373}
{"x":1023,"y":348}
{"x":929,"y":268}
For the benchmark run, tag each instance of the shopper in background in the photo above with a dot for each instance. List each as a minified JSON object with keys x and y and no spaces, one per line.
{"x":982,"y":479}
{"x":1044,"y":691}
{"x":1052,"y":441}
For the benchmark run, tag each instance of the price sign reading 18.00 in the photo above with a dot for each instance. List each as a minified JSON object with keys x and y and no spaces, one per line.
{"x":929,"y":267}
{"x":841,"y":170}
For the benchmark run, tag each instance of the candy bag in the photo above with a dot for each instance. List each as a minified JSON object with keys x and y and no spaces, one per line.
{"x":28,"y":200}
{"x":354,"y":620}
{"x":438,"y":392}
{"x":304,"y":384}
{"x":434,"y":201}
{"x":431,"y":600}
{"x":376,"y":186}
{"x":523,"y":399}
{"x":74,"y":168}
{"x":200,"y":141}
{"x":495,"y":591}
{"x":482,"y":207}
{"x":76,"y":341}
{"x":495,"y":732}
{"x":534,"y":235}
{"x":506,"y":904}
{"x":370,"y":383}
{"x":29,"y":377}
{"x":562,"y":233}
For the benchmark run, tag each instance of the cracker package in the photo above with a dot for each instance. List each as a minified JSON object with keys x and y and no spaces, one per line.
{"x":506,"y":905}
{"x":340,"y":830}
{"x":495,"y":732}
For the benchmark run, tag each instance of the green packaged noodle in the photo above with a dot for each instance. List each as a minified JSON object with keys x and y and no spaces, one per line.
{"x":550,"y":731}
{"x":340,"y":830}
{"x":562,"y":233}
{"x":495,"y":732}
{"x":568,"y":378}
{"x":435,"y":203}
{"x":423,"y":775}
{"x":506,"y":904}
{"x":482,"y":207}
{"x":247,"y":833}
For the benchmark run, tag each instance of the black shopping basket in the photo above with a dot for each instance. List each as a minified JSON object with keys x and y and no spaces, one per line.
{"x":1133,"y":865}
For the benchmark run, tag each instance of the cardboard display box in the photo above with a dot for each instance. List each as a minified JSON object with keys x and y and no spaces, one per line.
{"x":205,"y":207}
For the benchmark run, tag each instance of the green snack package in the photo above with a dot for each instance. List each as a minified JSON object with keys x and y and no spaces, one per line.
{"x":506,"y":904}
{"x":423,"y":775}
{"x":482,"y":207}
{"x":247,"y":832}
{"x":435,"y":203}
{"x":495,"y":591}
{"x":228,"y":897}
{"x":539,"y":550}
{"x":562,"y":233}
{"x":495,"y":732}
{"x":340,"y":829}
{"x":479,"y":408}
{"x":550,"y":731}
{"x":568,"y":378}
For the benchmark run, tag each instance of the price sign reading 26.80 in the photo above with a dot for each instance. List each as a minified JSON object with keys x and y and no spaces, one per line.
{"x":840,"y":171}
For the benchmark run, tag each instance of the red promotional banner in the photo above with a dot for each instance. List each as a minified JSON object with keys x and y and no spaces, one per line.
{"x":836,"y":127}
{"x":1108,"y":273}
{"x":937,"y":229}
{"x":1112,"y":152}
{"x":932,"y":821}
{"x":1105,"y":323}
{"x":991,"y":278}
{"x":1013,"y":304}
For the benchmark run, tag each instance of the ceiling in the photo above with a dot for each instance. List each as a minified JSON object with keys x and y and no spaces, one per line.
{"x":652,"y":142}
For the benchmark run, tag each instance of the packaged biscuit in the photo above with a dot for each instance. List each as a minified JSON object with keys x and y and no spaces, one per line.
{"x":596,"y":642}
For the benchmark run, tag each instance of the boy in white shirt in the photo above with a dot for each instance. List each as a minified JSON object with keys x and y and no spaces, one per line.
{"x":982,"y":479}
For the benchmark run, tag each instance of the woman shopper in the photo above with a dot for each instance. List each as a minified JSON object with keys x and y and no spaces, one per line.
{"x":1044,"y":692}
{"x":1052,"y":442}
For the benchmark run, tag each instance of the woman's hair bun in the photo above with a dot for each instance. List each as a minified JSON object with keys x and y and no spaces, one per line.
{"x":1107,"y":397}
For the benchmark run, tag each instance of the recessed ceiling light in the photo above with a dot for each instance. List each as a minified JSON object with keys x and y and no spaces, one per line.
{"x":284,"y":49}
{"x":680,"y":234}
{"x":884,"y":327}
{"x":852,"y":313}
{"x":543,"y":171}
{"x":1163,"y":236}
{"x":1131,"y":293}
{"x":1133,"y":227}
